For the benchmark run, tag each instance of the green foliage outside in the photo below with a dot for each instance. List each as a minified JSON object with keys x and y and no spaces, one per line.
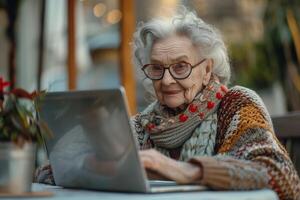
{"x":258,"y":64}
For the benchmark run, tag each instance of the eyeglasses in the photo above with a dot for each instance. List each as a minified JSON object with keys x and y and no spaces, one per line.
{"x":178,"y":71}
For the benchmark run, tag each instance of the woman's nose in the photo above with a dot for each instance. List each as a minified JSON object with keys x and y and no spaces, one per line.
{"x":167,"y":78}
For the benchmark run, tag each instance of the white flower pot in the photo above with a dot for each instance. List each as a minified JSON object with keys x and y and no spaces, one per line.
{"x":16,"y":167}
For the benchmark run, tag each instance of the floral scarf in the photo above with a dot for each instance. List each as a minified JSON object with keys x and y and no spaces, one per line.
{"x":169,"y":129}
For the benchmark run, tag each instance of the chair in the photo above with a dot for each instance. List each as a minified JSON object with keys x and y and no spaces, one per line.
{"x":287,"y":129}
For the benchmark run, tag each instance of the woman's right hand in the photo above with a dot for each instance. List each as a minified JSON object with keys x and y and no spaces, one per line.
{"x":43,"y":174}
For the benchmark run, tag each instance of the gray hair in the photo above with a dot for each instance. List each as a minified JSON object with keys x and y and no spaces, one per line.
{"x":204,"y":36}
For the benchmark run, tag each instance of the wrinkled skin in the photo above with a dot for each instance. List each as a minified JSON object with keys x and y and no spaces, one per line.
{"x":174,"y":93}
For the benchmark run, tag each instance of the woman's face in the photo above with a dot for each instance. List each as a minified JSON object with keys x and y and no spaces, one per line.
{"x":169,"y":91}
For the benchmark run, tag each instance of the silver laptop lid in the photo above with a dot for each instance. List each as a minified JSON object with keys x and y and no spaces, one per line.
{"x":93,"y":145}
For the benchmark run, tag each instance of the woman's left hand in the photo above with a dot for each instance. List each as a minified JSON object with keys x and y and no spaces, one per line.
{"x":167,"y":168}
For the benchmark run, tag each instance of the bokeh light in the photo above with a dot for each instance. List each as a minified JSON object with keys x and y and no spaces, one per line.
{"x":99,"y":9}
{"x":114,"y":16}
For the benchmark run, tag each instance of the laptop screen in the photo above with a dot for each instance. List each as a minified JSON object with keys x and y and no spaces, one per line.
{"x":93,"y":145}
{"x":91,"y":110}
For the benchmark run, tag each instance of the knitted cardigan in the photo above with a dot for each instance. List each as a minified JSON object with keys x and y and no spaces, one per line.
{"x":247,"y":154}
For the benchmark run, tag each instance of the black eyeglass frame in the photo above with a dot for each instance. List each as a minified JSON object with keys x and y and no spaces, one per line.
{"x":168,"y":68}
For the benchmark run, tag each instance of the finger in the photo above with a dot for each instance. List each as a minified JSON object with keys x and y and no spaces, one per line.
{"x":156,"y":165}
{"x":146,"y":162}
{"x":152,"y":175}
{"x":151,"y":152}
{"x":152,"y":157}
{"x":146,"y":156}
{"x":144,"y":153}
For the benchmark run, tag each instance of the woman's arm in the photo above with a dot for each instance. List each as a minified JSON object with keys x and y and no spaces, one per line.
{"x":249,"y":150}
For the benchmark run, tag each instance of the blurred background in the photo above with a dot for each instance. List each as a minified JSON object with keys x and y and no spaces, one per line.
{"x":85,"y":44}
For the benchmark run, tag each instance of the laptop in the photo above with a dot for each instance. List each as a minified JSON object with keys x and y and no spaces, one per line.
{"x":93,"y":145}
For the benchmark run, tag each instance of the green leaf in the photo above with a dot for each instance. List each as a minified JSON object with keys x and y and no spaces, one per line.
{"x":18,"y":121}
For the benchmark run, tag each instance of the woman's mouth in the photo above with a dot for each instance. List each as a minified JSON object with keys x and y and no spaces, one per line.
{"x":171,"y":92}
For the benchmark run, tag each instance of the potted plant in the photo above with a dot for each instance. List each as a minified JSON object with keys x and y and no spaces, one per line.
{"x":20,"y":131}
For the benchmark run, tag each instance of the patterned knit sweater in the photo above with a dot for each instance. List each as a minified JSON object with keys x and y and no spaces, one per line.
{"x":247,"y":154}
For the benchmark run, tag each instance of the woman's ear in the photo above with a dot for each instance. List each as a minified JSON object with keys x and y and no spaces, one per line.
{"x":207,"y":71}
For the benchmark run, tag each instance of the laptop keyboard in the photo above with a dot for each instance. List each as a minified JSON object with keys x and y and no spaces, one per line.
{"x":157,"y":183}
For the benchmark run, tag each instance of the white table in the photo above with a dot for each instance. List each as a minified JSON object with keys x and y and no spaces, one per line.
{"x":72,"y":194}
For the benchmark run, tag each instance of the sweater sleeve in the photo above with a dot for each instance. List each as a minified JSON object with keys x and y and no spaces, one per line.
{"x":248,"y":154}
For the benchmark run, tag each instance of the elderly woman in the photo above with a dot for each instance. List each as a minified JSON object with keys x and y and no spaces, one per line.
{"x":198,"y":131}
